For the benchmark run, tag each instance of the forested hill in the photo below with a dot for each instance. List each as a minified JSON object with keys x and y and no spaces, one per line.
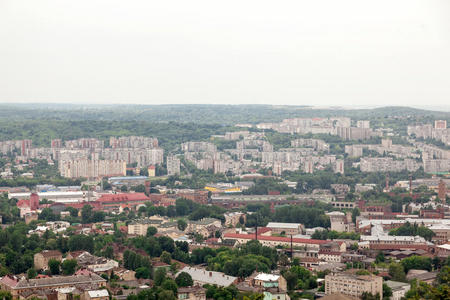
{"x":174,"y":124}
{"x":205,"y":114}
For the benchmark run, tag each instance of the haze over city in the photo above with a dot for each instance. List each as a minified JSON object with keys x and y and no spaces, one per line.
{"x":325,"y":52}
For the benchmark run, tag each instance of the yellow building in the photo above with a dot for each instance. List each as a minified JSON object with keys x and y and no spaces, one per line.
{"x":151,"y":171}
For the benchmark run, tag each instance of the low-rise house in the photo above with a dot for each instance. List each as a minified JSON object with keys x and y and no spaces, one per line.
{"x":269,"y":281}
{"x":169,"y":227}
{"x":139,"y":227}
{"x":422,"y":275}
{"x":330,"y":256}
{"x":399,"y":289}
{"x":397,"y":254}
{"x":389,"y":242}
{"x":124,"y":274}
{"x":286,"y":228}
{"x":105,"y":267}
{"x":192,"y":293}
{"x":273,"y":241}
{"x":42,"y":258}
{"x":272,"y":286}
{"x":443,"y":250}
{"x":30,"y":217}
{"x":17,"y":286}
{"x":96,"y":295}
{"x":352,"y":257}
{"x":202,"y":277}
{"x":204,"y":227}
{"x":68,"y":293}
{"x":442,"y":233}
{"x":275,"y":294}
{"x":87,"y":260}
{"x":233,"y":218}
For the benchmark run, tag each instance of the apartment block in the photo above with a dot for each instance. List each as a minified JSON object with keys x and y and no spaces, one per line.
{"x":88,"y":168}
{"x":173,"y":165}
{"x":353,"y":285}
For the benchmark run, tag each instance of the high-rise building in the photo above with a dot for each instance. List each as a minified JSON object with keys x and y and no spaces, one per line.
{"x":92,"y":168}
{"x":56,"y":143}
{"x":440,"y":124}
{"x":339,"y":166}
{"x":363,"y":124}
{"x":173,"y":165}
{"x":26,"y":144}
{"x":442,"y":190}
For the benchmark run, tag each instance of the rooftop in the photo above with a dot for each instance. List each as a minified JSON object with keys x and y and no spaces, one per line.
{"x":274,"y":238}
{"x":209,"y":277}
{"x":98,"y":293}
{"x":283,"y":225}
{"x":267,"y":277}
{"x":58,"y":281}
{"x":396,"y":284}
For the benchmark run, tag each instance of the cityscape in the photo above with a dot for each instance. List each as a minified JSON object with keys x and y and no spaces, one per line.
{"x":225,"y":150}
{"x":301,"y":208}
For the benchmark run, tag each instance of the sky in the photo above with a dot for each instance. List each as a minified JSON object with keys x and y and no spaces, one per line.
{"x":300,"y":52}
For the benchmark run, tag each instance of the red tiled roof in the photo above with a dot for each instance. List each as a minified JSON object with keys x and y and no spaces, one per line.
{"x":262,"y":230}
{"x":83,"y":271}
{"x":274,"y":238}
{"x":9,"y":281}
{"x":124,"y":197}
{"x":23,"y":203}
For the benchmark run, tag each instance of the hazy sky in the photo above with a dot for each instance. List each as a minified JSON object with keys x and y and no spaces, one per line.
{"x":312,"y":52}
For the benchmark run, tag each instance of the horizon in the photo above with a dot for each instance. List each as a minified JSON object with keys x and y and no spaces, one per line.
{"x":431,"y":108}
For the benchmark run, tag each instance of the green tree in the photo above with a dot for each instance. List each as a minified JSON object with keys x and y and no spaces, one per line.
{"x":160,"y":276}
{"x":169,"y":285}
{"x":387,"y":292}
{"x":184,"y":279}
{"x":123,"y":189}
{"x":417,"y":262}
{"x":109,"y":252}
{"x":166,"y":257}
{"x":73,"y":211}
{"x":369,"y":296}
{"x":380,"y":257}
{"x":143,"y":272}
{"x":4,"y":295}
{"x":397,"y":272}
{"x":86,"y":214}
{"x":31,"y":273}
{"x":69,"y":266}
{"x":355,"y":213}
{"x":291,"y":280}
{"x":151,"y":231}
{"x":166,"y":295}
{"x":181,"y":224}
{"x":53,"y":265}
{"x":140,"y":189}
